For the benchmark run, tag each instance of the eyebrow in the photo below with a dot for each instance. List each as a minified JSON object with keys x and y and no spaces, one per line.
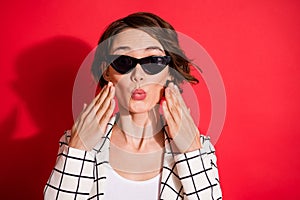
{"x":154,"y":48}
{"x":121,"y":48}
{"x":146,"y":49}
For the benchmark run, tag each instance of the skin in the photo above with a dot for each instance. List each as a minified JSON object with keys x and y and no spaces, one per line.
{"x":137,"y":140}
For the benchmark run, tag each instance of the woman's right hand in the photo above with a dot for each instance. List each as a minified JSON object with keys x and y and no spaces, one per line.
{"x":92,"y":121}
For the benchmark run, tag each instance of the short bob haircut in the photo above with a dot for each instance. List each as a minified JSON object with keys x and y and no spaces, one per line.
{"x":157,"y":28}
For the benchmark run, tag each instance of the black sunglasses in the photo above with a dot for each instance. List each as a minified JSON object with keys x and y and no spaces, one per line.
{"x":151,"y":64}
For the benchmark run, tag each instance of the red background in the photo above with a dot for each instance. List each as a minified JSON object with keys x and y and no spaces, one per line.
{"x":255,"y":44}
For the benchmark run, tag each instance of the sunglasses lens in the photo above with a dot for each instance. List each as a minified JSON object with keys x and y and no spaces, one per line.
{"x":123,"y":64}
{"x":152,"y":68}
{"x":155,"y":64}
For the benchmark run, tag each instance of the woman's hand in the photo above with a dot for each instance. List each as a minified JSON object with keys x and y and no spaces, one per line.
{"x":92,"y":121}
{"x":181,"y":127}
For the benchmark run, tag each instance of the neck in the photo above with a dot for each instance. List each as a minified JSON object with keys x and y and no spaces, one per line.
{"x":139,"y":129}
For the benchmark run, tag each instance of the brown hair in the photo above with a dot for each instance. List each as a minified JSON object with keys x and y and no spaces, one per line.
{"x":156,"y":27}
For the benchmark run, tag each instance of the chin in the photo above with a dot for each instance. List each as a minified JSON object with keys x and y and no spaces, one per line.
{"x":141,"y":107}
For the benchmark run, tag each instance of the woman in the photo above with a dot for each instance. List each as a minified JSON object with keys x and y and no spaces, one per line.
{"x":141,"y":152}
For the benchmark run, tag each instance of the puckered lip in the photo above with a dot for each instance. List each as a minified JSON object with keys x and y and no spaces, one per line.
{"x":138,"y":91}
{"x":138,"y":94}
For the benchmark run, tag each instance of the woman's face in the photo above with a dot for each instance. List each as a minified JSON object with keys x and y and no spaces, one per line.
{"x":136,"y":91}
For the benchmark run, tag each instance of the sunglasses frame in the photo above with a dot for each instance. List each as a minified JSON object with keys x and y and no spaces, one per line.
{"x":145,"y":63}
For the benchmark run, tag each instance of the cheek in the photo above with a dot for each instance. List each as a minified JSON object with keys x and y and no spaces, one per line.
{"x":123,"y":86}
{"x":161,"y":78}
{"x":157,"y":93}
{"x":114,"y":77}
{"x":157,"y":86}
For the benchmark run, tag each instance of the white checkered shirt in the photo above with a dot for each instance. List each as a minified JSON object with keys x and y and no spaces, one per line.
{"x":80,"y":174}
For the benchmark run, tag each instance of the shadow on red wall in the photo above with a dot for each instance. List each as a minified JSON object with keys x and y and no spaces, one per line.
{"x":46,"y":72}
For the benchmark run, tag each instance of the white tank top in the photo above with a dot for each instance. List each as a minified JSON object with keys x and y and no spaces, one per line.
{"x":119,"y":187}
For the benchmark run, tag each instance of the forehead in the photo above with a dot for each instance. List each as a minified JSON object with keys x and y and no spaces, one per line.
{"x":134,"y":39}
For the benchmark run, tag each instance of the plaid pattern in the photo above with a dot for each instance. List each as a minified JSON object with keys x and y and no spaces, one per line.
{"x":80,"y":174}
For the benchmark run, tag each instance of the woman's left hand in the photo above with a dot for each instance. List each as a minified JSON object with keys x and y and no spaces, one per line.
{"x":181,"y":127}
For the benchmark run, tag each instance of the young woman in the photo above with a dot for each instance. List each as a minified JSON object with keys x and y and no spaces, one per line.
{"x":150,"y":149}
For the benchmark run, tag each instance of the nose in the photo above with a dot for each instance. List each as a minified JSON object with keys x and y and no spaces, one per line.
{"x":137,"y":74}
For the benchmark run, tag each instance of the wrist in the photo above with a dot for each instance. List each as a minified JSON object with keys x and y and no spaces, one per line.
{"x":76,"y":142}
{"x":186,"y":144}
{"x":196,"y":145}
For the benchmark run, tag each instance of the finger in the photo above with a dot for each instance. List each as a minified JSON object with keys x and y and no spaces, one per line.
{"x":98,"y":101}
{"x":167,"y":103}
{"x":107,"y":95}
{"x":178,"y":95}
{"x":92,"y":104}
{"x":107,"y":115}
{"x":104,"y":94}
{"x":184,"y":109}
{"x":86,"y":115}
{"x":83,"y":109}
{"x":173,"y":105}
{"x":80,"y":118}
{"x":167,"y":114}
{"x":102,"y":109}
{"x":168,"y":118}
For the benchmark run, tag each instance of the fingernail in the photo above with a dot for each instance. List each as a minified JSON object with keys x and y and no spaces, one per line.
{"x":176,"y":86}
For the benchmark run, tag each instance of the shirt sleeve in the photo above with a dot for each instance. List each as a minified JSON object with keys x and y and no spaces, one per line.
{"x":73,"y":173}
{"x":198,"y":172}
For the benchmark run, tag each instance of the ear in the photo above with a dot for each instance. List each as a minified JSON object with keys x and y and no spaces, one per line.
{"x":106,"y":74}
